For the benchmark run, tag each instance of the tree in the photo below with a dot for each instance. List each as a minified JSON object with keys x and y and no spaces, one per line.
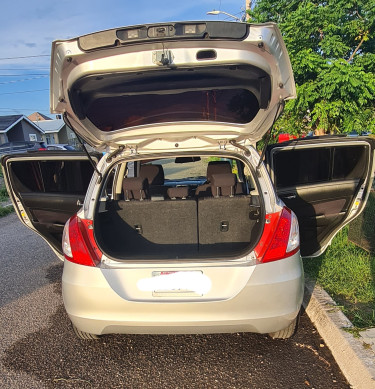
{"x":332,"y":50}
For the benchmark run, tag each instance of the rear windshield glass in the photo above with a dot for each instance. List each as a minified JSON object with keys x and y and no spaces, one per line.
{"x":183,"y":169}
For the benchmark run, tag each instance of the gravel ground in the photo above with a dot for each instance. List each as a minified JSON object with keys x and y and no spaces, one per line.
{"x":38,"y":348}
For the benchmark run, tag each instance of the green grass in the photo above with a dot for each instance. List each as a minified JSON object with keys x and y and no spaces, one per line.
{"x":4,"y":211}
{"x":3,"y":194}
{"x":4,"y":198}
{"x":347,"y":273}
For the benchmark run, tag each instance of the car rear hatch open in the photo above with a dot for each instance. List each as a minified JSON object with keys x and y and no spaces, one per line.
{"x":217,"y":81}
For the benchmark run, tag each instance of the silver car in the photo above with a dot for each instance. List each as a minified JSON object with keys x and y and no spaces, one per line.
{"x":180,"y":227}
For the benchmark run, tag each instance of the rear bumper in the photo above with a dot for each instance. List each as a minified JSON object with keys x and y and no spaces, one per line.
{"x":269,"y":301}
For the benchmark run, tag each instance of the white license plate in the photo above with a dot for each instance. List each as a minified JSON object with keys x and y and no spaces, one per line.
{"x":176,"y":283}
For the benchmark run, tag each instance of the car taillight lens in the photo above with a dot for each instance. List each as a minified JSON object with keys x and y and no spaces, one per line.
{"x":78,"y":242}
{"x":280,"y":237}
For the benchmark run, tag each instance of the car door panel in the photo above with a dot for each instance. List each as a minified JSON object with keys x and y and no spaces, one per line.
{"x":47,"y":188}
{"x":321,"y":180}
{"x":51,"y":209}
{"x":321,"y":199}
{"x":45,"y":205}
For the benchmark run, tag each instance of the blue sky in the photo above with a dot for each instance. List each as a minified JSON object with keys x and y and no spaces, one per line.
{"x":28,"y":27}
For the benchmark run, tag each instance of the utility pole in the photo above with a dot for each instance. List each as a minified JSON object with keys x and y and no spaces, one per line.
{"x":248,"y":6}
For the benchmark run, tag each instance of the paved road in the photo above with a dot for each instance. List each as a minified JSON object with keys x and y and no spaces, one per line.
{"x":38,"y":348}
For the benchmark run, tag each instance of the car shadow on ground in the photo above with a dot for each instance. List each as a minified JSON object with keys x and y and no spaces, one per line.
{"x":58,"y":359}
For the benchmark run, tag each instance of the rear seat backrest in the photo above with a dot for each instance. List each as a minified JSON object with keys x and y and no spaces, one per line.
{"x":224,"y":220}
{"x":152,"y":229}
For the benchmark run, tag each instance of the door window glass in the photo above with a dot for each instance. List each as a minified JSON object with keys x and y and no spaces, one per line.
{"x":348,"y":162}
{"x":316,"y":165}
{"x":299,"y":167}
{"x":71,"y":177}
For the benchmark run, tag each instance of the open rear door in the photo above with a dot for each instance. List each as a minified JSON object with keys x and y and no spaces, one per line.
{"x":325,"y":181}
{"x":46,"y":189}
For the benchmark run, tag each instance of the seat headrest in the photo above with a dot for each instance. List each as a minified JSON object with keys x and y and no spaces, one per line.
{"x":153,"y":173}
{"x":223,"y":184}
{"x":135,"y":188}
{"x":218,"y":167}
{"x":180,"y":192}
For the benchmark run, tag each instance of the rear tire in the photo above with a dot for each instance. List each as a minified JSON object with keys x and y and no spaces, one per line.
{"x":287,"y":332}
{"x":84,"y":335}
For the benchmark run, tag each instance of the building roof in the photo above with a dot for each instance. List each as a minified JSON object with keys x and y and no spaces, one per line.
{"x":9,"y":121}
{"x":37,"y":116}
{"x":50,"y":126}
{"x":6,"y":121}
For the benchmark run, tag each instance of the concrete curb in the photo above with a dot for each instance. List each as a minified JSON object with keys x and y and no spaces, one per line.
{"x":355,"y":361}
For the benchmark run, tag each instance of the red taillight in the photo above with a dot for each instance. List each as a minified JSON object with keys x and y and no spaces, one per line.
{"x":42,"y":149}
{"x":280,"y":237}
{"x":79,"y":245}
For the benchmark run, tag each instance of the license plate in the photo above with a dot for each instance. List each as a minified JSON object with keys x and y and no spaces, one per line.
{"x":176,"y":283}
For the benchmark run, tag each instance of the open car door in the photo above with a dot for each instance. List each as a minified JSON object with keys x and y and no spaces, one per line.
{"x":46,"y":189}
{"x":325,"y":181}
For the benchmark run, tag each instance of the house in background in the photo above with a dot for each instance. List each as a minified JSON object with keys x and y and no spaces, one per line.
{"x":19,"y":128}
{"x":56,"y":131}
{"x":37,"y":116}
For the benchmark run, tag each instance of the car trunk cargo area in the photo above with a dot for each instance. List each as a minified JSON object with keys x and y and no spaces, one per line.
{"x":174,"y":229}
{"x":179,"y":208}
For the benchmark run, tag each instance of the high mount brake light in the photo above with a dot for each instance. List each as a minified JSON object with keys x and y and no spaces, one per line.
{"x":280,"y":237}
{"x":78,"y":242}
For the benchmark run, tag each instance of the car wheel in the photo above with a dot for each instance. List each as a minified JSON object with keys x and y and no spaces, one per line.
{"x":287,"y":332}
{"x":84,"y":335}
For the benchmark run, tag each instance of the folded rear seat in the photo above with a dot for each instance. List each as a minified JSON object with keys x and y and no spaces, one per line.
{"x":146,"y":228}
{"x":224,"y":222}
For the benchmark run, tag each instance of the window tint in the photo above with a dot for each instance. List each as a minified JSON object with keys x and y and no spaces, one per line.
{"x":349,"y":162}
{"x":298,"y":167}
{"x":69,"y":177}
{"x":316,"y":165}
